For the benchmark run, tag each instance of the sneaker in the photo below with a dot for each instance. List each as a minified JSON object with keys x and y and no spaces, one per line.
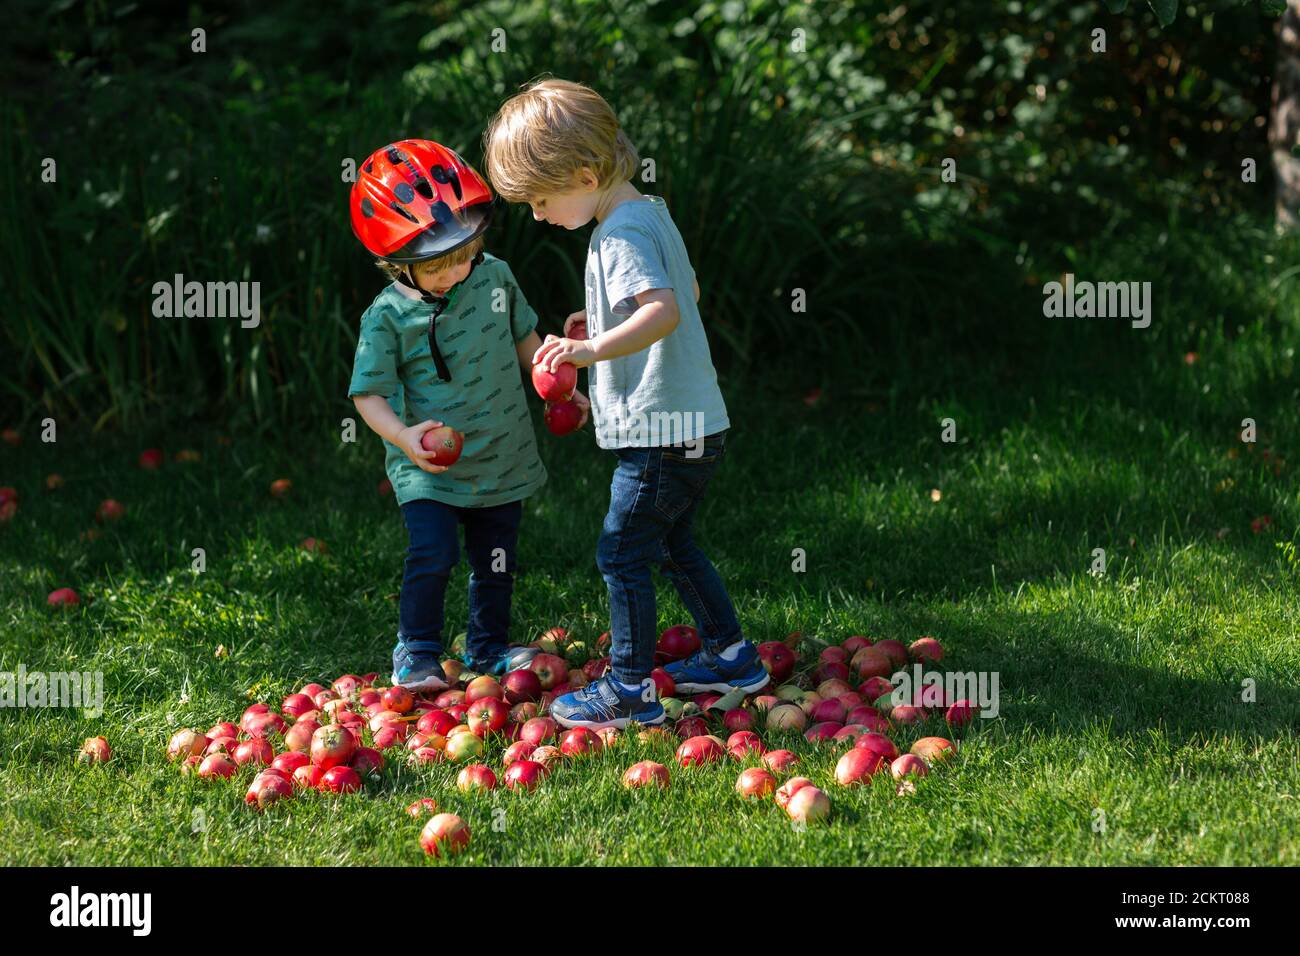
{"x":498,"y":665}
{"x":417,"y":671}
{"x":705,"y":671}
{"x":604,"y":704}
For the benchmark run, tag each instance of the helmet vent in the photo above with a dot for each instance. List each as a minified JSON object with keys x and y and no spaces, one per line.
{"x":404,"y":212}
{"x":424,"y":189}
{"x":441,"y":212}
{"x":367,"y":208}
{"x":404,"y":192}
{"x":444,"y":176}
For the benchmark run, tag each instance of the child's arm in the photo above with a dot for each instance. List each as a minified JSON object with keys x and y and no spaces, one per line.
{"x":526,"y":348}
{"x":655,"y":318}
{"x":379,"y":416}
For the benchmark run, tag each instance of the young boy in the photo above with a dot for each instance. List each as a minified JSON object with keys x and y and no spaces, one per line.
{"x":446,"y":341}
{"x":654,"y":393}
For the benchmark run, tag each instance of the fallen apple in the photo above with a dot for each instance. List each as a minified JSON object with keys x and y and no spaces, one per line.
{"x":932,"y":749}
{"x":519,"y":750}
{"x":829,"y":710}
{"x":789,"y":789}
{"x":908,"y":765}
{"x":696,"y":751}
{"x":423,"y":756}
{"x":218,"y":765}
{"x":340,"y":780}
{"x":780,"y":761}
{"x":481,"y":687}
{"x":435,"y":722}
{"x":444,"y":833}
{"x":95,"y":750}
{"x":476,"y":777}
{"x":290,"y":761}
{"x":538,"y":730}
{"x":743,"y":743}
{"x":398,"y":699}
{"x":894,"y":650}
{"x":221,"y":745}
{"x":960,"y":714}
{"x":786,"y":717}
{"x":906,"y":714}
{"x":521,"y":686}
{"x":186,"y":743}
{"x":926,"y":650}
{"x":257,"y":752}
{"x":63,"y":597}
{"x":579,"y":741}
{"x":689,"y":727}
{"x":524,"y":775}
{"x":854,"y":644}
{"x":778,"y":659}
{"x":368,"y":762}
{"x":423,"y":806}
{"x":464,"y":746}
{"x":857,"y":765}
{"x":332,"y":745}
{"x":878,"y":744}
{"x":644,"y":774}
{"x":267,"y":789}
{"x":755,"y":783}
{"x":823,"y":731}
{"x":109,"y":510}
{"x":550,"y":670}
{"x":808,"y":805}
{"x":872,"y":662}
{"x":295,"y":705}
{"x":677,"y":643}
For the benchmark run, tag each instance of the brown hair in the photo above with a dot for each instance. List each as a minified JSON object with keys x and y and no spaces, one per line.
{"x":454,"y":258}
{"x":541,"y":137}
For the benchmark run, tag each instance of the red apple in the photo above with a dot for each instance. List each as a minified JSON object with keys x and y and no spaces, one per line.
{"x":267,"y":789}
{"x":646,"y":773}
{"x":295,"y":705}
{"x":522,"y":686}
{"x":595,"y":669}
{"x":524,"y":774}
{"x":878,"y":744}
{"x":421,"y":756}
{"x":538,"y":730}
{"x":960,"y":713}
{"x":834,"y":655}
{"x":689,"y":727}
{"x":487,"y":715}
{"x":546,"y":755}
{"x":743,"y":743}
{"x":449,"y":698}
{"x":808,"y":805}
{"x":875,"y":687}
{"x":926,"y":650}
{"x":261,"y":725}
{"x":423,"y":806}
{"x":481,"y":687}
{"x":290,"y":761}
{"x":778,"y":659}
{"x":829,"y":710}
{"x":828,"y":672}
{"x":221,"y":745}
{"x":555,"y":386}
{"x":256,"y":751}
{"x":340,"y":780}
{"x":664,"y":686}
{"x":186,"y":743}
{"x":755,"y":783}
{"x":894,"y":650}
{"x":63,"y":597}
{"x":550,"y":670}
{"x":857,"y":766}
{"x":519,"y":750}
{"x":347,"y":685}
{"x":308,"y":777}
{"x":476,"y":777}
{"x":854,"y":644}
{"x":578,"y":741}
{"x":779,"y":761}
{"x":298,"y":737}
{"x":872,"y":662}
{"x":789,"y":789}
{"x":445,"y":442}
{"x":311,"y":690}
{"x":399,"y":699}
{"x":907,"y":714}
{"x":677,"y":643}
{"x":223,"y":729}
{"x":561,"y":418}
{"x":218,"y":765}
{"x":332,"y":746}
{"x":109,"y":510}
{"x":833,"y":688}
{"x":435,"y":722}
{"x":932,"y":749}
{"x":464,"y":746}
{"x":368,"y":762}
{"x":823,"y":731}
{"x":444,"y":833}
{"x":700,"y":750}
{"x":908,"y":764}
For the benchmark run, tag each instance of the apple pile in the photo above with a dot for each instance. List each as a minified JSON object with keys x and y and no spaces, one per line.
{"x":498,"y":733}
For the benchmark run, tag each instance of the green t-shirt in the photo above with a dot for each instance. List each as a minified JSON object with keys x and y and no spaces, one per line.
{"x":485,"y":399}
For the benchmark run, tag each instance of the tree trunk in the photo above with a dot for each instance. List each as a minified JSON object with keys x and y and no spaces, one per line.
{"x":1284,"y":125}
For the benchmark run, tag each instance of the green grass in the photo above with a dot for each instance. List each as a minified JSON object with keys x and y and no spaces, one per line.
{"x":1119,"y":694}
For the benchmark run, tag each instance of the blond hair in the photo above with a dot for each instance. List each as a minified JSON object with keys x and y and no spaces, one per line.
{"x":541,"y":137}
{"x":454,"y":258}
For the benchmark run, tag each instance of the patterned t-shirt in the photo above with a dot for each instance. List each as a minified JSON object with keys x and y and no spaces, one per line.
{"x":485,"y":398}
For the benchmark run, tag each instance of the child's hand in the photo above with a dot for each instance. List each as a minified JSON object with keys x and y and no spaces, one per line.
{"x":556,"y":351}
{"x":575,"y":326}
{"x":408,"y":439}
{"x":584,"y":403}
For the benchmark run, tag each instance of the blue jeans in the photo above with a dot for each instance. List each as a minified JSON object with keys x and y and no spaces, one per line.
{"x":433,"y":552}
{"x":652,"y":503}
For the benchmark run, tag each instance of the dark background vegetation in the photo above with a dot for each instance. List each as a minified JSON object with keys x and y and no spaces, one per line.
{"x":784,"y":170}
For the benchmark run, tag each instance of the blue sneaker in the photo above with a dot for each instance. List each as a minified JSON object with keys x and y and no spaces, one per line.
{"x":605,"y":704}
{"x":705,"y":671}
{"x":499,"y":664}
{"x":417,"y":670}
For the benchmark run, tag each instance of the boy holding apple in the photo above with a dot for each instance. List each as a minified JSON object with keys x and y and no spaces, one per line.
{"x":654,"y":393}
{"x":444,"y":343}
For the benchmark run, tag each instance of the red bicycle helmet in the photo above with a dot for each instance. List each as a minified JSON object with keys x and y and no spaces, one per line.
{"x":415,"y":200}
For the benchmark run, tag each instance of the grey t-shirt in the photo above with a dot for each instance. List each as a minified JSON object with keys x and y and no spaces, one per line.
{"x":668,"y":393}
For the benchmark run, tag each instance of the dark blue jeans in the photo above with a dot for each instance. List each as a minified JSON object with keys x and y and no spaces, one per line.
{"x":433,"y":552}
{"x":652,"y":504}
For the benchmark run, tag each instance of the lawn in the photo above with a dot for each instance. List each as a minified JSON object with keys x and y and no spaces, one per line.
{"x":1122,"y":738}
